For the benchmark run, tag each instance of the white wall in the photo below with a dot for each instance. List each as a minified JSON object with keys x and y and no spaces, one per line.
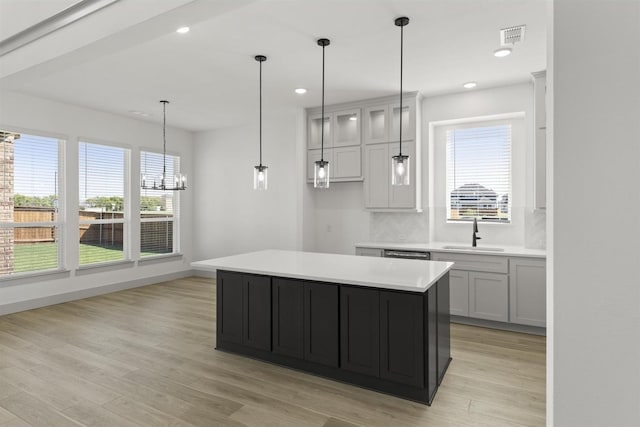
{"x":595,"y":143}
{"x":481,"y":103}
{"x":340,"y":220}
{"x":230,"y":217}
{"x":39,"y":116}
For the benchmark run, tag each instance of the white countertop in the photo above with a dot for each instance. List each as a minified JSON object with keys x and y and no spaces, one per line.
{"x":386,"y":273}
{"x":440,"y":247}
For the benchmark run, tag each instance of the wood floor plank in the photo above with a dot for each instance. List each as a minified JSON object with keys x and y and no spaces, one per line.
{"x":146,"y":357}
{"x":50,"y":393}
{"x":92,"y":415}
{"x":36,"y":412}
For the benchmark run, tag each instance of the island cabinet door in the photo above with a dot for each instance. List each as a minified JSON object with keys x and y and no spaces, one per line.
{"x":402,"y":337}
{"x":360,"y":330}
{"x":229,"y":305}
{"x":321,"y":333}
{"x":288,"y":338}
{"x":257,"y":312}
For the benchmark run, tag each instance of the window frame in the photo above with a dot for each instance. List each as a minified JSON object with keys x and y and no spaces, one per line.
{"x":126,"y":200}
{"x":176,"y":209}
{"x":60,"y":222}
{"x":483,"y":123}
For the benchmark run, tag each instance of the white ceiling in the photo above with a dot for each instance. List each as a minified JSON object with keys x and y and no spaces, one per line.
{"x":211,"y":78}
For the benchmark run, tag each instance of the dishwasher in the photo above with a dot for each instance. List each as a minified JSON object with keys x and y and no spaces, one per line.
{"x":392,"y":253}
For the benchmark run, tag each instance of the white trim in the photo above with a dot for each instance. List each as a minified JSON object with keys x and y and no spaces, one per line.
{"x":98,"y":267}
{"x":156,"y":259}
{"x":29,"y":276}
{"x":87,"y":293}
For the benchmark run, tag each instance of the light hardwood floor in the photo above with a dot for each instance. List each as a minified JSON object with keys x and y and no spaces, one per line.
{"x":146,"y":357}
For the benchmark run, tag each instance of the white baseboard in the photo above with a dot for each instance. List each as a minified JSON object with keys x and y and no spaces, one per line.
{"x":513,"y":327}
{"x":204,"y":273}
{"x":91,"y":292}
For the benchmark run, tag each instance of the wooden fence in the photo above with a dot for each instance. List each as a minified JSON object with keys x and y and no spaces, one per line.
{"x":154,"y":235}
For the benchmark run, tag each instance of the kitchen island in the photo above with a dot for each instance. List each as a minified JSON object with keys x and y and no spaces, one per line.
{"x":379,"y":323}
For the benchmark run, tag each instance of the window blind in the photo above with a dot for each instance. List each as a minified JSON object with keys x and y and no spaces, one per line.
{"x":29,"y":204}
{"x":102,"y":202}
{"x":158,"y":209}
{"x":479,"y":173}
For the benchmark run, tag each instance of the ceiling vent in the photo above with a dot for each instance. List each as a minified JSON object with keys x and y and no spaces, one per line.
{"x":512,"y":35}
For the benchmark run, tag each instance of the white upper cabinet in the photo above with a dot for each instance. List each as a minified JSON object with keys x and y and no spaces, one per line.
{"x":376,"y":124}
{"x":408,"y":120}
{"x":540,"y":139}
{"x":315,"y":125}
{"x":346,"y":128}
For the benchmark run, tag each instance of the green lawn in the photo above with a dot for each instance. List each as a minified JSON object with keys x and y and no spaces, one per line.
{"x":44,"y":256}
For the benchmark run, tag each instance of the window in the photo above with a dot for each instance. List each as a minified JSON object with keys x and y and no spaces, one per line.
{"x":479,"y":173}
{"x":158,"y":209}
{"x":102,"y":211}
{"x":29,"y":200}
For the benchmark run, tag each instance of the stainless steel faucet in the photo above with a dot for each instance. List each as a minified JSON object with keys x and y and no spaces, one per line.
{"x":474,"y":239}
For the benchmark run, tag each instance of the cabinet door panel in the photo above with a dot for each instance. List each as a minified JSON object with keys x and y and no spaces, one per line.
{"x":403,"y":196}
{"x":401,"y":338}
{"x":347,"y":162}
{"x":527,"y":292}
{"x":408,"y":121}
{"x":444,"y":326}
{"x":377,"y":176}
{"x":315,"y":124}
{"x":346,"y":127}
{"x":360,"y":330}
{"x":459,"y":292}
{"x":489,"y":296}
{"x":288,"y":317}
{"x":257,"y":312}
{"x":376,"y":124}
{"x":321,"y":331}
{"x":230,"y":306}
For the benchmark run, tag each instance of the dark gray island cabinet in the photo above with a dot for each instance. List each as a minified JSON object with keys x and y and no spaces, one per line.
{"x":390,"y":340}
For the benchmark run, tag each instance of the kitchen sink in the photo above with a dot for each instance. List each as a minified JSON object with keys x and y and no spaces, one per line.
{"x":471,"y":248}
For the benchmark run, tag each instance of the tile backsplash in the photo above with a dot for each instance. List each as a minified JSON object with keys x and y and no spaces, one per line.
{"x":399,"y":227}
{"x":414,"y":228}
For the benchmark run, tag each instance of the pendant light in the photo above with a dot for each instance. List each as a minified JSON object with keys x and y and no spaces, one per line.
{"x":400,"y":164}
{"x":260,"y":171}
{"x":179,"y":181}
{"x":321,"y":167}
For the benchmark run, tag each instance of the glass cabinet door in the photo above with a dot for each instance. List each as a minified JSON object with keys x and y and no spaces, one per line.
{"x":315,"y":125}
{"x":408,"y":122}
{"x":376,"y":125}
{"x":346,"y":125}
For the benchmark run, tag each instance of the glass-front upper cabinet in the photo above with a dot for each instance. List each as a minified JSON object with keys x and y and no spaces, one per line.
{"x":315,"y":125}
{"x":346,"y":125}
{"x":408,"y":121}
{"x":376,"y":127}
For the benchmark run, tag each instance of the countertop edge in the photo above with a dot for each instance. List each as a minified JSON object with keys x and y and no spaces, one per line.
{"x":437,"y":247}
{"x":388,"y":286}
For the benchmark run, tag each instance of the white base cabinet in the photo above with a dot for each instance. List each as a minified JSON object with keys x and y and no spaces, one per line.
{"x":528,"y":292}
{"x":459,"y":293}
{"x":489,"y":296}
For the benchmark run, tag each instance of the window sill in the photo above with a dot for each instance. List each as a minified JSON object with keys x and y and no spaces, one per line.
{"x":104,"y":266}
{"x":157,"y":259}
{"x":36,"y":276}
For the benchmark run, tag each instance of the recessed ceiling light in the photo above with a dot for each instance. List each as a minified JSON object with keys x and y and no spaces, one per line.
{"x":182,"y":30}
{"x":502,"y":52}
{"x":301,"y":90}
{"x":470,"y":85}
{"x":139,"y":113}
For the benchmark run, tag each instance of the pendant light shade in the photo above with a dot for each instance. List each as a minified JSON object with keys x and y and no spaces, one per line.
{"x":321,"y":167}
{"x":401,"y":163}
{"x":260,"y":171}
{"x":163,"y":182}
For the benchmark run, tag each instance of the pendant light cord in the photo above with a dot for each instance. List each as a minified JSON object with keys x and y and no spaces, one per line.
{"x":260,"y":113}
{"x":164,"y":143}
{"x":401,"y":58}
{"x":322,"y":118}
